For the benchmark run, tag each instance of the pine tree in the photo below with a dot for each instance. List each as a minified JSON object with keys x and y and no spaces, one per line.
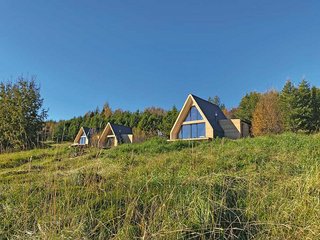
{"x":287,"y":103}
{"x":247,"y":106}
{"x":134,"y":119}
{"x":315,"y":105}
{"x":4,"y":114}
{"x":302,"y":108}
{"x":168,"y":121}
{"x":216,"y":100}
{"x":21,"y":114}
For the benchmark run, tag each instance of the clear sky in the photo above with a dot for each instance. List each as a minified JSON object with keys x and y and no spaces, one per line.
{"x":135,"y":54}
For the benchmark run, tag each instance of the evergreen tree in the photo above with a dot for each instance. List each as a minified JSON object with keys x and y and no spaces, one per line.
{"x":302,"y":108}
{"x":151,"y":120}
{"x":216,"y":100}
{"x":247,"y":106}
{"x":60,"y":132}
{"x":5,"y":116}
{"x":315,"y":104}
{"x":135,"y":118}
{"x":168,"y":121}
{"x":21,"y":114}
{"x":73,"y":128}
{"x":287,"y":103}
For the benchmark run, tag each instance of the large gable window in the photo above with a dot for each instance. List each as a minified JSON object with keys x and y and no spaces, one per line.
{"x":196,"y":130}
{"x":193,"y":115}
{"x":192,"y":131}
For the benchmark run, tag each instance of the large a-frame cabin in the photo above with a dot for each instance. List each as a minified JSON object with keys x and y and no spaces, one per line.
{"x":200,"y":120}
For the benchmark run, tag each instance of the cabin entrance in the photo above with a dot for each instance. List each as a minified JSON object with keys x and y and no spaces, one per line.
{"x":109,"y":142}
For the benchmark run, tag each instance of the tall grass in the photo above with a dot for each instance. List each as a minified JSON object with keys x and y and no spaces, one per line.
{"x":262,"y":188}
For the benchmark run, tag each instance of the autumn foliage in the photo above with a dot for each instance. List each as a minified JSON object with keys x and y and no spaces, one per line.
{"x":267,"y":116}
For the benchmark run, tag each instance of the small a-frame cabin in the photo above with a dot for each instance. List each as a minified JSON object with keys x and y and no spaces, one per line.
{"x":84,"y":136}
{"x":202,"y":120}
{"x":114,"y":134}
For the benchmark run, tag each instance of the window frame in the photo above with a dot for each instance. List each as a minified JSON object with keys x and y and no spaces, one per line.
{"x":193,"y":131}
{"x":83,"y":140}
{"x":193,"y":115}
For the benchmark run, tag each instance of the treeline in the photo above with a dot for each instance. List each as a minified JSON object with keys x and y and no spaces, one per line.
{"x":23,"y":126}
{"x":150,"y":122}
{"x":294,"y":108}
{"x":21,"y":115}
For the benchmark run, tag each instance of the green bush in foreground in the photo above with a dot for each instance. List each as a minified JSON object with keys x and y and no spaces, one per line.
{"x":262,"y":188}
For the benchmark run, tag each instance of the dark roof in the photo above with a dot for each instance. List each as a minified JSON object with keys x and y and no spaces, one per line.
{"x":86,"y":130}
{"x":120,"y":129}
{"x":90,"y":131}
{"x":213,"y":113}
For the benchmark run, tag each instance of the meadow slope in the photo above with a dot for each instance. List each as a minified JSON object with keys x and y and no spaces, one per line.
{"x":260,"y":188}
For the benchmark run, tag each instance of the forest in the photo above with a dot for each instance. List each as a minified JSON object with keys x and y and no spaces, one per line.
{"x":24,"y":124}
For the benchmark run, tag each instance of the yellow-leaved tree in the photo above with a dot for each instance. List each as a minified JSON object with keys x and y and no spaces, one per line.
{"x":267,"y":116}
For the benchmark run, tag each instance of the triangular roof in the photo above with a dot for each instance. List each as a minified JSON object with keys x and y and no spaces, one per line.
{"x":89,"y":131}
{"x":86,"y":130}
{"x":117,"y":130}
{"x":120,"y":129}
{"x":211,"y":111}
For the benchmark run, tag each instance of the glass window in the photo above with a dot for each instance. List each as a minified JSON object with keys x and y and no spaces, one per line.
{"x":194,"y":130}
{"x":83,"y":140}
{"x":193,"y":115}
{"x":186,"y":131}
{"x":196,"y":114}
{"x":188,"y":117}
{"x":201,"y":130}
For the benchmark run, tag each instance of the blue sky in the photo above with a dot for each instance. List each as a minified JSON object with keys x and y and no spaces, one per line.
{"x":135,"y":54}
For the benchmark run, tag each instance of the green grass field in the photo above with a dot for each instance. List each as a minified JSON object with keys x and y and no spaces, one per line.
{"x":261,"y":188}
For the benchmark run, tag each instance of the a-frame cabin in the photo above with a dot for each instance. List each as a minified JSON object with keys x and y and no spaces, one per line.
{"x":114,"y":134}
{"x":84,"y":136}
{"x":200,"y":120}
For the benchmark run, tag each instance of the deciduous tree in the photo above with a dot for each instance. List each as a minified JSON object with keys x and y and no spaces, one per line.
{"x":267,"y":117}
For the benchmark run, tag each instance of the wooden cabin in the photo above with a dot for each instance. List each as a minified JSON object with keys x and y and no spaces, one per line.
{"x":202,"y":120}
{"x":85,"y":136}
{"x":114,"y":134}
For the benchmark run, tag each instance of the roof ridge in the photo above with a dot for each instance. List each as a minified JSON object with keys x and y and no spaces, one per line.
{"x":194,"y":96}
{"x":212,"y":112}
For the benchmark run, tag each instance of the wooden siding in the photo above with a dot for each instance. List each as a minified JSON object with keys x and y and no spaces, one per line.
{"x":107,"y":132}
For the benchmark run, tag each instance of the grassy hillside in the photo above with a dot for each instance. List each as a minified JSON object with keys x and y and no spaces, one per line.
{"x":262,"y":188}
